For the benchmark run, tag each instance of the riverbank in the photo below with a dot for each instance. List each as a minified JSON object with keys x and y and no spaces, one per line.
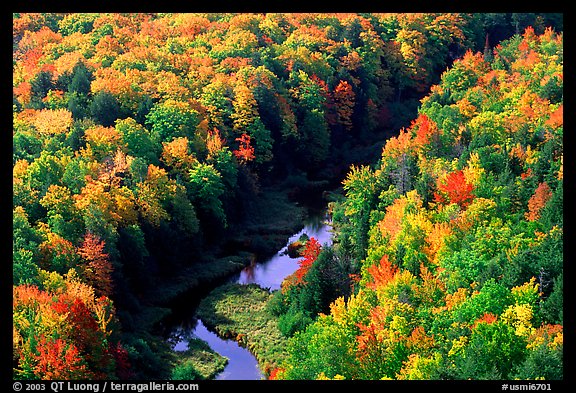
{"x":198,"y":361}
{"x":273,"y":219}
{"x":270,"y":220}
{"x":235,"y":319}
{"x":239,"y":312}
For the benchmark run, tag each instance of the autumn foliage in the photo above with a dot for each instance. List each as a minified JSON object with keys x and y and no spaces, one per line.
{"x":455,"y":189}
{"x":98,"y":268}
{"x":57,"y":360}
{"x":382,"y":273}
{"x":70,"y":339}
{"x":344,"y":99}
{"x":245,"y":152}
{"x":146,"y":144}
{"x":461,"y":233}
{"x":311,"y":251}
{"x":538,"y":201}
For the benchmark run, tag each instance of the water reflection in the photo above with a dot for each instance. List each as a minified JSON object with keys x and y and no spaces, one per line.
{"x":271,"y":273}
{"x":241,"y":363}
{"x":248,"y":274}
{"x":268,"y":274}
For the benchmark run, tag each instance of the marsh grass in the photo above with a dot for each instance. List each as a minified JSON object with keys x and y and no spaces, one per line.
{"x":239,"y":312}
{"x":199,"y":361}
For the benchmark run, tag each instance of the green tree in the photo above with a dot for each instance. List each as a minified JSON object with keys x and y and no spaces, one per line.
{"x":171,"y":119}
{"x":139,"y":141}
{"x":41,"y":84}
{"x":325,"y":348}
{"x":105,"y":108}
{"x":80,"y":81}
{"x":77,"y":23}
{"x":246,"y":120}
{"x":206,"y":189}
{"x":361,"y":188}
{"x":45,"y":171}
{"x":25,"y":241}
{"x":491,"y":353}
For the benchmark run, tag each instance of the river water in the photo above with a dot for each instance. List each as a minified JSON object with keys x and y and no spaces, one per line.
{"x":242,"y":365}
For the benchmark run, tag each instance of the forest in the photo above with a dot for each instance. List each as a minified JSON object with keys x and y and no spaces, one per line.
{"x":156,"y":154}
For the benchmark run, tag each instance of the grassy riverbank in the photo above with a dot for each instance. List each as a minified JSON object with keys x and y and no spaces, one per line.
{"x":199,"y":361}
{"x":239,"y":312}
{"x":269,"y":221}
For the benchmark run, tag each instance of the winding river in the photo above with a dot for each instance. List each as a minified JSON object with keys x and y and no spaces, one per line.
{"x":242,"y":365}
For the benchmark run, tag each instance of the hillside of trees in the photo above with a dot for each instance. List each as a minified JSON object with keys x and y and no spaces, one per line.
{"x":145,"y":145}
{"x":452,"y":243}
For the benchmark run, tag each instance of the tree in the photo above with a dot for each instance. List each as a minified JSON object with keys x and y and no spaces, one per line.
{"x":103,"y":141}
{"x":183,"y":213}
{"x":171,"y":119}
{"x":76,"y":23}
{"x":98,"y":267}
{"x":310,"y":94}
{"x":207,"y":188}
{"x":139,"y":141}
{"x":382,"y":347}
{"x":246,"y":121}
{"x":382,"y":273}
{"x":177,"y":156}
{"x":245,"y":152}
{"x":53,"y":122}
{"x":344,"y":99}
{"x":142,"y":139}
{"x":105,"y":108}
{"x":361,"y":191}
{"x":315,"y":143}
{"x":222,"y":158}
{"x":60,"y":208}
{"x":310,"y":254}
{"x":80,"y":81}
{"x":491,"y":352}
{"x":455,"y":189}
{"x":325,"y":347}
{"x":538,"y":201}
{"x":152,"y":194}
{"x":40,"y":85}
{"x":216,"y":97}
{"x":24,"y":248}
{"x":62,"y":330}
{"x":77,"y":105}
{"x":58,"y":360}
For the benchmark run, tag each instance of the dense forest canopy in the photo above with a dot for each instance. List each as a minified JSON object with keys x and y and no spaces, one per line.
{"x":458,"y":234}
{"x":141,"y":143}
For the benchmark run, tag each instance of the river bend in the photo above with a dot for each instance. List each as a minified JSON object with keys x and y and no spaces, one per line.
{"x":242,"y":365}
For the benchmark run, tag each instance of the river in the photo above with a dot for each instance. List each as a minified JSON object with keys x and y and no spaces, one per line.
{"x":242,"y":365}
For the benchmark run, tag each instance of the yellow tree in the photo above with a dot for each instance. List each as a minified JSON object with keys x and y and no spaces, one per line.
{"x":177,"y":156}
{"x":50,"y":122}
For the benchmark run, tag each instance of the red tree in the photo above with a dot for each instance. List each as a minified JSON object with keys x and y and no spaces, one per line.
{"x":98,"y":267}
{"x":344,"y":99}
{"x":455,"y":189}
{"x":382,"y":273}
{"x":57,"y":359}
{"x":310,"y":254}
{"x":245,"y":150}
{"x":123,"y":367}
{"x":537,"y":202}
